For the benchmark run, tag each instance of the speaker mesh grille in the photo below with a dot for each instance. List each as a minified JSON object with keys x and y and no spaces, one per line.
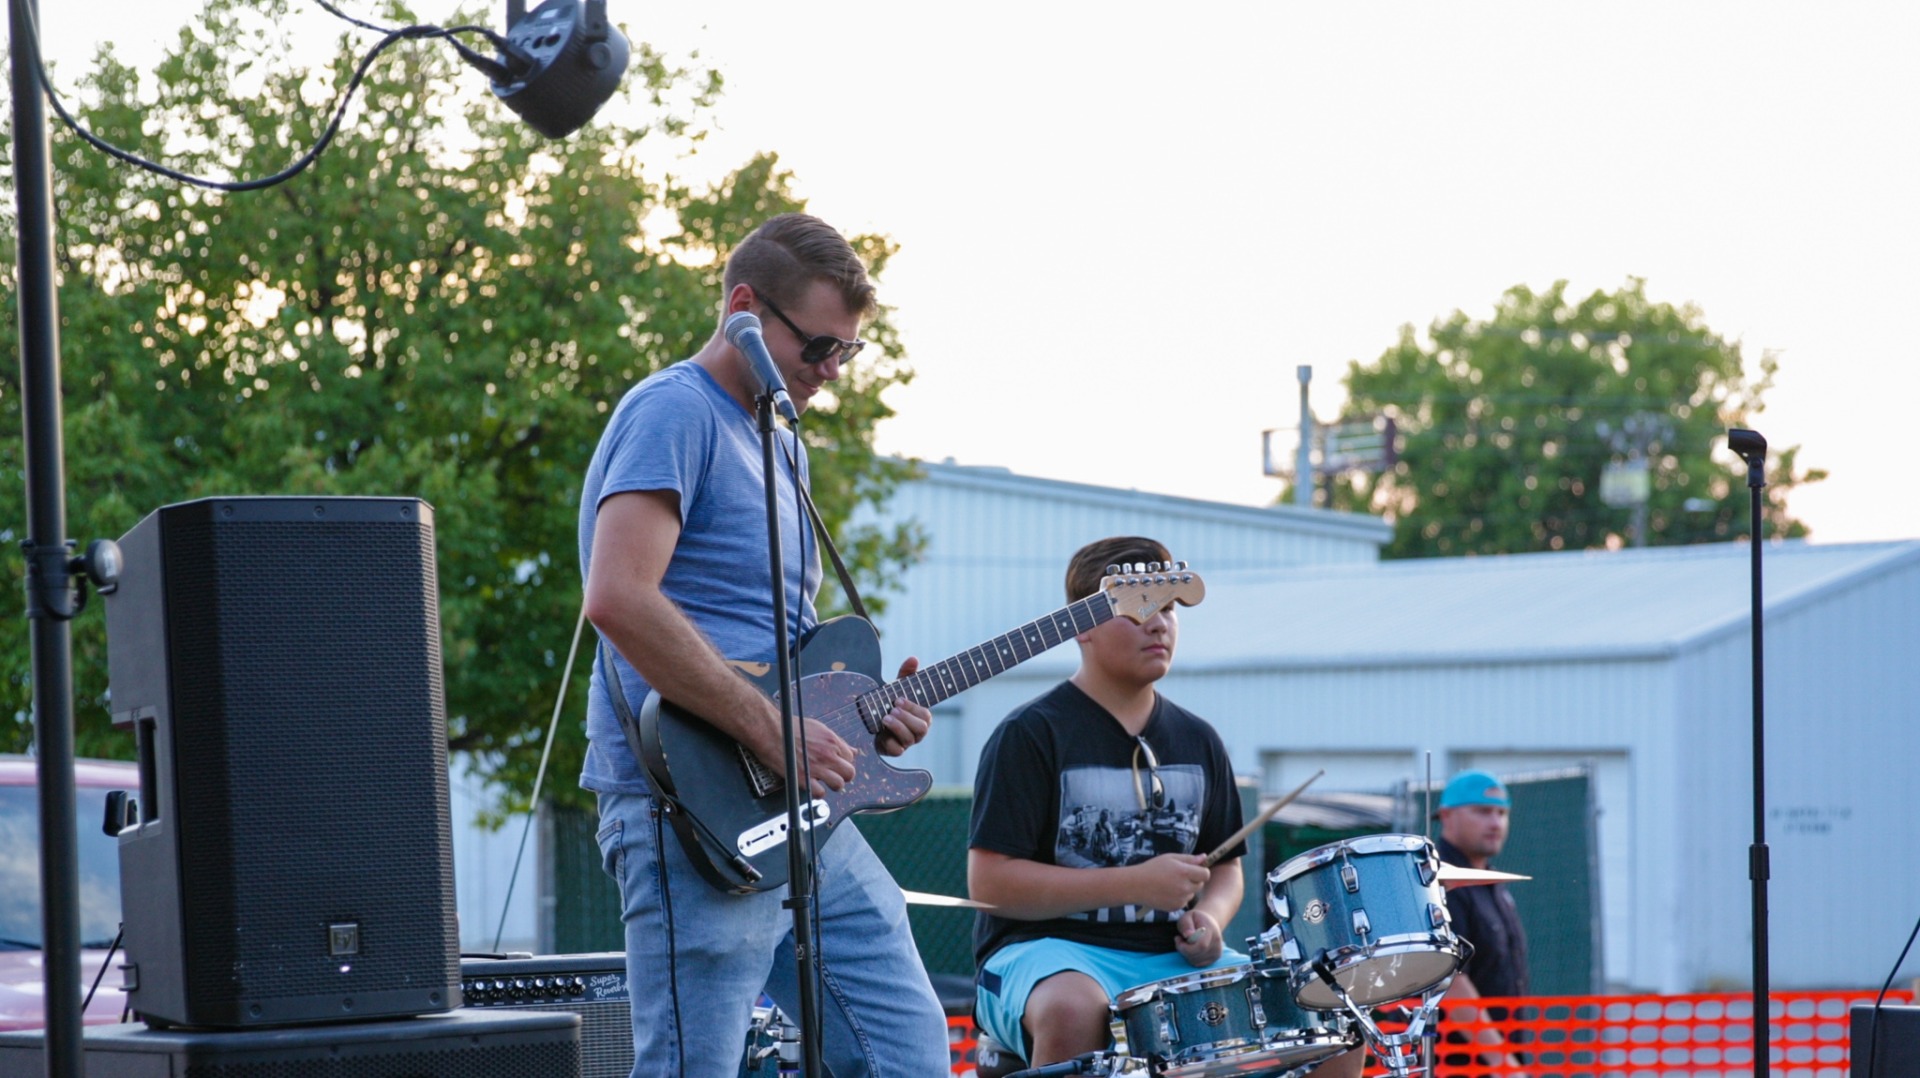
{"x":310,"y":757}
{"x":552,"y":1060}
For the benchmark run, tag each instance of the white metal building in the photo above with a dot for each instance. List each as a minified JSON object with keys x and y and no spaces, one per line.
{"x":1309,"y":653}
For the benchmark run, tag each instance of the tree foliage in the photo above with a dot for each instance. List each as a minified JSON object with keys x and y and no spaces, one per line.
{"x":445,"y":306}
{"x":1507,"y":424}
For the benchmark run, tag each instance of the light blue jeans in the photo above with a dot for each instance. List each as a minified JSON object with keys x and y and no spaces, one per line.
{"x":698,"y":958}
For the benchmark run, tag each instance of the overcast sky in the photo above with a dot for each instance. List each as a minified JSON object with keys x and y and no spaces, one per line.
{"x":1124,"y":226}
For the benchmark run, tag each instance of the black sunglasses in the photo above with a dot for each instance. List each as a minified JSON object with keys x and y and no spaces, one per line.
{"x":816,"y":349}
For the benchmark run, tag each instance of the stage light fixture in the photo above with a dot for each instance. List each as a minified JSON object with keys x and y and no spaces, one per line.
{"x":563,"y":61}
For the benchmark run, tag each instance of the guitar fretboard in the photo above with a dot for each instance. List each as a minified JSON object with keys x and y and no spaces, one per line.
{"x":933,"y":684}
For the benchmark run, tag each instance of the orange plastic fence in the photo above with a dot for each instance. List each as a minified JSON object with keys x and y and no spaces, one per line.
{"x":1700,"y":1036}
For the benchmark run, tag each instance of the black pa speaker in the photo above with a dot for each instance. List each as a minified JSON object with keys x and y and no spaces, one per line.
{"x":278,"y":659}
{"x":593,"y":986}
{"x":464,"y":1044}
{"x":1883,"y":1043}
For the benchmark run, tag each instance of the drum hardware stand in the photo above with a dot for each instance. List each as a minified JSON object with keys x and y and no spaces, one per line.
{"x":788,"y":1046}
{"x":1089,"y":1063}
{"x":1396,"y":1051}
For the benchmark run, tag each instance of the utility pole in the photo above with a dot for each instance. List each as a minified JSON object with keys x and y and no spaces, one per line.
{"x":1303,"y":457}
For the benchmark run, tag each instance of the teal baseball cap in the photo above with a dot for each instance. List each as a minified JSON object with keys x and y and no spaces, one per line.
{"x":1474,"y":788}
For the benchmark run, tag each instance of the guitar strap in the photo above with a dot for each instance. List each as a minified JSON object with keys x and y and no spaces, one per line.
{"x":839,"y":567}
{"x":702,"y":846}
{"x":628,"y":725}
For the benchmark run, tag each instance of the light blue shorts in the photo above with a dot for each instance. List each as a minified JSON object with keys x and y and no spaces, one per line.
{"x":1011,"y":974}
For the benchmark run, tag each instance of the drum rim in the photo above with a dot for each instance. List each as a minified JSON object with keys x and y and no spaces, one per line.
{"x":1316,"y":1035}
{"x":1388,"y":946}
{"x":1202,"y":978}
{"x":1240,"y":1046}
{"x":1361,"y":846}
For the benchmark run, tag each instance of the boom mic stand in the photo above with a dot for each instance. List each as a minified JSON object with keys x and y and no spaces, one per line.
{"x":800,"y":897}
{"x":1752,"y":448}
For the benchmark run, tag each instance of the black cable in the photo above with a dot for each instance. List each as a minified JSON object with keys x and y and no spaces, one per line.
{"x":108,"y":961}
{"x":1873,"y":1020}
{"x":312,"y":154}
{"x":490,"y":66}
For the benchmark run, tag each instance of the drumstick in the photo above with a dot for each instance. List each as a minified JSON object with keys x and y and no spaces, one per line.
{"x":1265,"y":815}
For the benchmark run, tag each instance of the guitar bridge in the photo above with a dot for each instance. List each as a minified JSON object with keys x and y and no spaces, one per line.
{"x":759,"y":775}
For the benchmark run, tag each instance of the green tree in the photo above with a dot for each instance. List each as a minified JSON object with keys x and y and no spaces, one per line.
{"x":1507,"y":425}
{"x":445,"y":306}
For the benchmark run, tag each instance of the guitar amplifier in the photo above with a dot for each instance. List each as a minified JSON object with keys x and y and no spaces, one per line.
{"x":593,"y":986}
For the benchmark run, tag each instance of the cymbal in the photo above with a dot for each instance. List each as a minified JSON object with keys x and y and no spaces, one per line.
{"x":923,"y":898}
{"x":1452,"y":876}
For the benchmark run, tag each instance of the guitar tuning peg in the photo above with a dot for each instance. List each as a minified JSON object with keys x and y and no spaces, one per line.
{"x":1180,"y":566}
{"x":1153,"y":567}
{"x":1113,"y":570}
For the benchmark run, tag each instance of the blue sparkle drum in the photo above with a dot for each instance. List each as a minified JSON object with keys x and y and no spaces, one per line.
{"x":1372,"y":911}
{"x":1221,"y":1022}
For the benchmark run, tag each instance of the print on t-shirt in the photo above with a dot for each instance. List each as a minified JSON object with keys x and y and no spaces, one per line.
{"x":1103,"y":823}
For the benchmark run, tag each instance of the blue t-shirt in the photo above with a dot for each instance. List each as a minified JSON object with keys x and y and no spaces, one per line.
{"x":679,"y":431}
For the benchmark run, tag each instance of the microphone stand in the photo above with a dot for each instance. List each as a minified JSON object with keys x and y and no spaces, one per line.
{"x":1752,"y":448}
{"x":800,"y":897}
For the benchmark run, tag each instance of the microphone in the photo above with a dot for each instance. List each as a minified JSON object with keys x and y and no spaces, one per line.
{"x":743,"y":332}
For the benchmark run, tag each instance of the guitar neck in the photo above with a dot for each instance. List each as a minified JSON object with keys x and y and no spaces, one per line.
{"x":949,"y":677}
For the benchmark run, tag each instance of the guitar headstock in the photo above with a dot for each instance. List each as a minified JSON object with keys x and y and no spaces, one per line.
{"x":1140,"y":591}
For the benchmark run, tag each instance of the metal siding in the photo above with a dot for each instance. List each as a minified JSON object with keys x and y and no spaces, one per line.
{"x":1566,"y":710}
{"x":1843,"y":741}
{"x":483,"y":860}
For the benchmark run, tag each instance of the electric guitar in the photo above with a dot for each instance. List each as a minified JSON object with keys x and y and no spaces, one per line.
{"x":730,"y":810}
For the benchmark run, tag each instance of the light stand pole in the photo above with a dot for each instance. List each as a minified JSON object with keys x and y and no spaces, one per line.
{"x":51,"y":597}
{"x":1752,"y":448}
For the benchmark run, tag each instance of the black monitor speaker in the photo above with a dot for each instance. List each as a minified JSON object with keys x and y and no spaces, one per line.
{"x":464,"y":1044}
{"x":278,"y":660}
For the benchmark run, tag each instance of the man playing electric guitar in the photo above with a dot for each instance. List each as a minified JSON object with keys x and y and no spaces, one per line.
{"x":674,"y":550}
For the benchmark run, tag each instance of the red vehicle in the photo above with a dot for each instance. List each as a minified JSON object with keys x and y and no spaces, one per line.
{"x":22,"y":978}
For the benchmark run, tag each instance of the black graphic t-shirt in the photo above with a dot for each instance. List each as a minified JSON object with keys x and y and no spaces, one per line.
{"x":1063,"y":783}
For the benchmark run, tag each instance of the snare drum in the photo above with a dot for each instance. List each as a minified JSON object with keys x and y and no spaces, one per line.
{"x":1295,"y":1035}
{"x":1217,"y":1022}
{"x":1374,"y":909}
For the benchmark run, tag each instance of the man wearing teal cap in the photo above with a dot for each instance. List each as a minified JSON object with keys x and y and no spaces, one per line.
{"x":1473,"y":828}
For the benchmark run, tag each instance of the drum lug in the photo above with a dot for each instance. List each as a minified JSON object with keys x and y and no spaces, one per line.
{"x":1437,"y":915}
{"x":1254,"y":1004}
{"x":1282,"y":910}
{"x":1428,"y":872}
{"x":1350,"y":877}
{"x":1290,"y":950}
{"x":1164,"y":1017}
{"x":1361,"y":925}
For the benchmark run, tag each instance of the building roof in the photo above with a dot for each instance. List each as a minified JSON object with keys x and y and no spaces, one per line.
{"x":1580,"y":605}
{"x":1294,"y":518}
